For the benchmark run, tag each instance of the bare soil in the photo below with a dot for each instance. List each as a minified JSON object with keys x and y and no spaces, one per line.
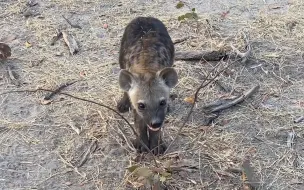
{"x":41,"y":150}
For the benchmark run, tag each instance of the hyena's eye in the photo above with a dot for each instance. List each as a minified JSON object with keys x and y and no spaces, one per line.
{"x":141,"y":106}
{"x":163,"y":103}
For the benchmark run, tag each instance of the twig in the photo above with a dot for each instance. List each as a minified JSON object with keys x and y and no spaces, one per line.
{"x":91,"y":149}
{"x":290,"y":139}
{"x":71,"y":42}
{"x":96,"y":103}
{"x":12,"y":76}
{"x":245,"y":55}
{"x":299,"y":119}
{"x":221,"y":105}
{"x":73,"y":25}
{"x":56,"y":38}
{"x":200,"y":55}
{"x":203,"y":84}
{"x":179,"y":40}
{"x":57,"y":90}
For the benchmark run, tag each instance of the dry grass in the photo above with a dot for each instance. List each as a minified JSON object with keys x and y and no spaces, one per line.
{"x":39,"y":146}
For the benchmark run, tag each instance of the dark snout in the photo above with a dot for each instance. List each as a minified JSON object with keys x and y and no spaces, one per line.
{"x":156,"y":124}
{"x":158,"y":120}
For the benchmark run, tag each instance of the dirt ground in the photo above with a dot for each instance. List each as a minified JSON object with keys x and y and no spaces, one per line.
{"x":40,"y":148}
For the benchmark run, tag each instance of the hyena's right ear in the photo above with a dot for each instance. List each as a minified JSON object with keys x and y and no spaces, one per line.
{"x":125,"y":79}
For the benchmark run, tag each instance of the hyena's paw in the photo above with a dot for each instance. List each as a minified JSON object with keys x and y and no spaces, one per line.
{"x":139,"y":147}
{"x":123,"y":105}
{"x":158,"y":150}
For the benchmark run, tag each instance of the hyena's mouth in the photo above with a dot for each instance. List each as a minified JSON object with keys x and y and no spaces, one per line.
{"x":153,"y":129}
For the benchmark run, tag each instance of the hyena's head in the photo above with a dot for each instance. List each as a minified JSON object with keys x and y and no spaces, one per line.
{"x":149,"y":94}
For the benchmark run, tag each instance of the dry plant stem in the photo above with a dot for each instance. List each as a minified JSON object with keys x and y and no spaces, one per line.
{"x":96,"y":103}
{"x":200,"y":55}
{"x":222,"y":106}
{"x":70,"y":41}
{"x":203,"y":84}
{"x":56,"y":38}
{"x":248,"y":48}
{"x":179,"y":40}
{"x":72,"y":25}
{"x":299,"y":119}
{"x":56,"y":91}
{"x":91,"y":149}
{"x":12,"y":76}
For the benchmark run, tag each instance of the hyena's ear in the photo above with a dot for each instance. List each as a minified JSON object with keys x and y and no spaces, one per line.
{"x":125,"y":79}
{"x":169,"y":75}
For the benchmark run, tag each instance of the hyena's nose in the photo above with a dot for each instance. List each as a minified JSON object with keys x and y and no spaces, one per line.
{"x":156,"y":124}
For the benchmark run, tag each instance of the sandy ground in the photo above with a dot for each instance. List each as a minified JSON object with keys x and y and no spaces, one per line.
{"x":40,"y":150}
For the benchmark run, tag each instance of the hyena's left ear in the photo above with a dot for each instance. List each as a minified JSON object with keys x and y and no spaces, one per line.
{"x":125,"y":79}
{"x":169,"y":75}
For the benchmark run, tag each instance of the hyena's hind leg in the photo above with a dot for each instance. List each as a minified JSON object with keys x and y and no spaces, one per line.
{"x":124,"y":104}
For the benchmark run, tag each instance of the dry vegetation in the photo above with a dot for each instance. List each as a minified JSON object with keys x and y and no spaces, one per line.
{"x":72,"y":144}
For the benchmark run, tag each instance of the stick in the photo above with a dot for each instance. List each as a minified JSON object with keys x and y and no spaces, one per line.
{"x":57,"y":90}
{"x":91,"y":149}
{"x":200,"y":55}
{"x":11,"y":75}
{"x":96,"y":103}
{"x":203,"y":84}
{"x":73,"y":25}
{"x":179,"y":40}
{"x":70,"y":41}
{"x":221,"y":105}
{"x":299,"y":119}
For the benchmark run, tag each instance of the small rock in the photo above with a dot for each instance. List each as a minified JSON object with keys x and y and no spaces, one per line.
{"x":105,"y":26}
{"x":68,"y":183}
{"x":59,"y":54}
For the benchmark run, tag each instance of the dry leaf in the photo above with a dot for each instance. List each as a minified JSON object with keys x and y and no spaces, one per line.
{"x":144,"y":172}
{"x":162,"y":178}
{"x":189,"y":100}
{"x":132,"y":168}
{"x":28,"y":44}
{"x":5,"y":51}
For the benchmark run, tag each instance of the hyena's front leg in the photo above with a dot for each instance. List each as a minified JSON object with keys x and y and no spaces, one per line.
{"x":141,"y":127}
{"x":155,"y":140}
{"x":124,"y":104}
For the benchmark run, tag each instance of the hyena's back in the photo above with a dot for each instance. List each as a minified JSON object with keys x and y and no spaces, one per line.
{"x":146,"y":45}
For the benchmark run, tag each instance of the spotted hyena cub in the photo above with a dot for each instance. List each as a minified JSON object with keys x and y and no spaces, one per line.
{"x":146,"y":59}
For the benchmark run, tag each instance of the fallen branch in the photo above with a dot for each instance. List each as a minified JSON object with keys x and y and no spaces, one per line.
{"x":203,"y":85}
{"x":93,"y":102}
{"x":72,"y":25}
{"x":70,"y":41}
{"x":200,"y":55}
{"x":224,"y":104}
